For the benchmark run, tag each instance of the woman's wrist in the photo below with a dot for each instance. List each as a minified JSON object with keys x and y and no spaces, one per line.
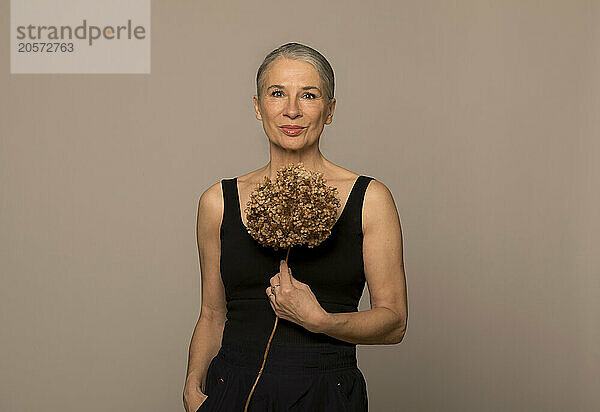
{"x":194,"y":378}
{"x":324,"y":323}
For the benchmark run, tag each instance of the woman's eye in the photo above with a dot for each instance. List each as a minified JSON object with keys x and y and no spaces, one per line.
{"x":274,"y":93}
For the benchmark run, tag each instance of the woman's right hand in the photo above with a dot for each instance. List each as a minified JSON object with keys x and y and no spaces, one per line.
{"x":193,"y":397}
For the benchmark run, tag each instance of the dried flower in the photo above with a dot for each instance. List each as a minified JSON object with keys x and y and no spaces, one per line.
{"x":296,"y":208}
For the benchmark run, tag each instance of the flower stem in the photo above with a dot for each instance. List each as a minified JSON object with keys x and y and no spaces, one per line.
{"x":287,"y":255}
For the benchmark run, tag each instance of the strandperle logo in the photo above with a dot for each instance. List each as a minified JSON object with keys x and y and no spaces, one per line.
{"x":83,"y":36}
{"x":82,"y":32}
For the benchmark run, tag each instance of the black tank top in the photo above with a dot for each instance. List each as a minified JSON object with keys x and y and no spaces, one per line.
{"x":334,"y":271}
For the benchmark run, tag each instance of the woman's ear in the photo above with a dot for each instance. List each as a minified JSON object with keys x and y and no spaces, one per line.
{"x":331,"y":110}
{"x":256,"y":103}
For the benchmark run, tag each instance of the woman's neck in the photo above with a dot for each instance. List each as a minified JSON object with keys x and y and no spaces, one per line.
{"x":313,"y":161}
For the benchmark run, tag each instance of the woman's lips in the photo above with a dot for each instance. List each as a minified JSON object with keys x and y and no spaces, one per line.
{"x":292,"y":131}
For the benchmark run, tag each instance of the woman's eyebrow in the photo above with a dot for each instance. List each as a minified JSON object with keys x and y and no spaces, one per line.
{"x":279,"y":86}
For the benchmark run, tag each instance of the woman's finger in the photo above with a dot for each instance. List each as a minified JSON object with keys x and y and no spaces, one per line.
{"x":274,"y":280}
{"x":284,"y":275}
{"x":270,"y":295}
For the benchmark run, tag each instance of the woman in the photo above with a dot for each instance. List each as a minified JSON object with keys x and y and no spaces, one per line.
{"x":311,"y":364}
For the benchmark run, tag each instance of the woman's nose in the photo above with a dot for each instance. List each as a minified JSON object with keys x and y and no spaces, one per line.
{"x":292,"y":109}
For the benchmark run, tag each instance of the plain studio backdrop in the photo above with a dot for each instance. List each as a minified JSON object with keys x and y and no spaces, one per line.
{"x":481,"y":117}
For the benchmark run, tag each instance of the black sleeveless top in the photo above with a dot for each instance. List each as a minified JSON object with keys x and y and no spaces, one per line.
{"x":334,"y":271}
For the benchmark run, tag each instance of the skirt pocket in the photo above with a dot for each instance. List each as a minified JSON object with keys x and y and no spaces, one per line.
{"x":347,"y":386}
{"x":217,"y":380}
{"x":352,"y":389}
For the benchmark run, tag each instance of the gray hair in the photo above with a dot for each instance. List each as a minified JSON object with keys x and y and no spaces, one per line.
{"x":298,"y":51}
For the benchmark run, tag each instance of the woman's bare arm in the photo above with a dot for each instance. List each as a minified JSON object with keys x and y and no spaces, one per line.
{"x":206,"y":339}
{"x":386,"y":321}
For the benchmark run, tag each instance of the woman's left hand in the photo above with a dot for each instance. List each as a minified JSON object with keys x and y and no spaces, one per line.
{"x":294,"y":301}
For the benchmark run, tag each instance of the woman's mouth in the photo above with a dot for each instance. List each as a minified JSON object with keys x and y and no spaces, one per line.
{"x":292,"y":130}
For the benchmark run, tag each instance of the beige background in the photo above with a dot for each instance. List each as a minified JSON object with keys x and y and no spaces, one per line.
{"x":481,"y":117}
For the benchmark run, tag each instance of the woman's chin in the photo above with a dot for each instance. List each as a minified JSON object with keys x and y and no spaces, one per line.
{"x":292,"y":141}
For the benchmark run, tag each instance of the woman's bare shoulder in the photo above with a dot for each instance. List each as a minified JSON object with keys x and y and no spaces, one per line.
{"x":210,"y":206}
{"x":339,"y":174}
{"x":252,"y":177}
{"x":379,"y":206}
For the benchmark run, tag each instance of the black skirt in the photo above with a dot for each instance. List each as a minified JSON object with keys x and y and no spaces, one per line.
{"x":311,"y":378}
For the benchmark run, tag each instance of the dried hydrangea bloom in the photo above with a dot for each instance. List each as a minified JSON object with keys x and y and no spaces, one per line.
{"x":297,"y":208}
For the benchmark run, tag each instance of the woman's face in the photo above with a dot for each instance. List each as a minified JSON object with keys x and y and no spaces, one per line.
{"x":293,"y":96}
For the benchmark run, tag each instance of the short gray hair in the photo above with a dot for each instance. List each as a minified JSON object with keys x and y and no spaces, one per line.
{"x":299,"y":51}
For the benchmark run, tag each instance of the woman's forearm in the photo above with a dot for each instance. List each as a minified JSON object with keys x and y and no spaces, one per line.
{"x":205,"y":344}
{"x":377,"y":326}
